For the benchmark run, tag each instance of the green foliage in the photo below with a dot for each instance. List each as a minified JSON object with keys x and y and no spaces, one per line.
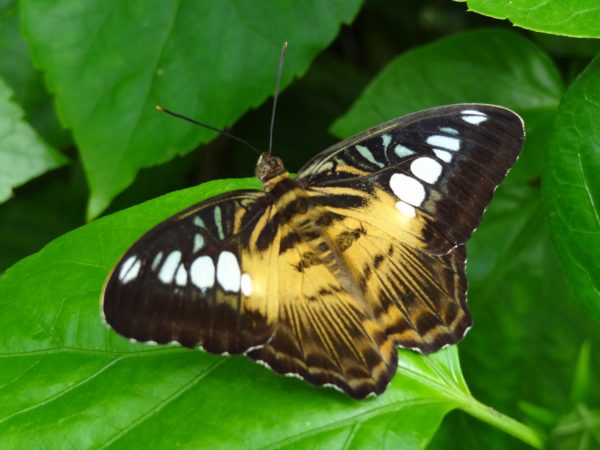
{"x":577,"y":18}
{"x":578,"y":429}
{"x":572,"y":185}
{"x":20,"y":74}
{"x":490,"y":66}
{"x":23,"y":153}
{"x":126,"y":57}
{"x":66,"y":381}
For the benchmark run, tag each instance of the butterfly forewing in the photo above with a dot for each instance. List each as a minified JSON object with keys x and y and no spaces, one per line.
{"x":194,"y":279}
{"x":444,"y":163}
{"x":324,"y":275}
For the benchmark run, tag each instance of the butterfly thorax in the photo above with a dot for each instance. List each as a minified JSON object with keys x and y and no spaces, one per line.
{"x":306,"y":223}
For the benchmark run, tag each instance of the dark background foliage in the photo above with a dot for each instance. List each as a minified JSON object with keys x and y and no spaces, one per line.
{"x":533,"y":264}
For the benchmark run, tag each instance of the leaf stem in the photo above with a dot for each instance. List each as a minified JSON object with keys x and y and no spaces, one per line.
{"x":507,"y":424}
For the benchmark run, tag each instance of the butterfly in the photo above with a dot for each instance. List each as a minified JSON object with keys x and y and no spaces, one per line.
{"x":323,"y":276}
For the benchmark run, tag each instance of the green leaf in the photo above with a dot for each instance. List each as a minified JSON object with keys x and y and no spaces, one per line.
{"x":582,"y":380}
{"x":17,"y":70}
{"x":572,"y":186}
{"x":113,"y":62}
{"x":527,"y":326}
{"x":487,"y":66}
{"x":23,"y":154}
{"x":576,"y":18}
{"x":496,"y":67}
{"x":514,"y":353}
{"x":65,"y":374}
{"x":578,"y":430}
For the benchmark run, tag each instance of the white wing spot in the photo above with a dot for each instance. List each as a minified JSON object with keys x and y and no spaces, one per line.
{"x":157,"y":259}
{"x":443,"y":155}
{"x":473,"y":116}
{"x":366,"y":153}
{"x":475,"y":120}
{"x":167,"y":271}
{"x":449,"y":130}
{"x":130,"y":269}
{"x":406,"y":209}
{"x":126,"y":266}
{"x":333,"y":386}
{"x":181,"y":276}
{"x":426,"y":169}
{"x":202,"y":272}
{"x":198,"y":242}
{"x":246,"y":284}
{"x":386,"y":139}
{"x":219,"y":222}
{"x":292,"y":375}
{"x":472,"y":112}
{"x":403,"y":151}
{"x":407,"y":189}
{"x":228,"y":272}
{"x":262,"y":363}
{"x":199,"y":222}
{"x":447,"y":142}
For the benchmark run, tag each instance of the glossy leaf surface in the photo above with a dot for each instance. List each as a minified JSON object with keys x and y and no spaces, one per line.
{"x":114,"y":61}
{"x":577,"y":18}
{"x":23,"y":153}
{"x":572,"y":186}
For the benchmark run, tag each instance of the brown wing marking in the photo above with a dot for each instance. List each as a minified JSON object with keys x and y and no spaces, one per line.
{"x":323,"y":335}
{"x":182,"y":308}
{"x":417,"y":297}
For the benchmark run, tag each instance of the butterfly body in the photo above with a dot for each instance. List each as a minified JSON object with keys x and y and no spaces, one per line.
{"x":326,"y":274}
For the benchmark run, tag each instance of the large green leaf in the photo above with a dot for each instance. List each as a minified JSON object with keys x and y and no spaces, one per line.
{"x":490,"y":66}
{"x":23,"y":154}
{"x":65,"y":375}
{"x":481,"y":66}
{"x":572,"y":186}
{"x":577,"y":18}
{"x":113,"y":61}
{"x":27,"y":84}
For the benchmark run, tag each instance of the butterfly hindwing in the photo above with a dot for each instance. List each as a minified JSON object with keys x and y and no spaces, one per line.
{"x":190,"y":280}
{"x":323,"y":333}
{"x":415,"y":296}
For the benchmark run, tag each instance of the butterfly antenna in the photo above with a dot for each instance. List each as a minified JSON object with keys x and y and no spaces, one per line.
{"x":276,"y":96}
{"x":203,"y":125}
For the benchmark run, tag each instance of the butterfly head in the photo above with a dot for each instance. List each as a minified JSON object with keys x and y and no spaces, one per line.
{"x":268,"y":168}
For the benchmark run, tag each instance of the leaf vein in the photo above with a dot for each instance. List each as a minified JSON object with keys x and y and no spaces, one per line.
{"x":159,"y":406}
{"x":61,"y":393}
